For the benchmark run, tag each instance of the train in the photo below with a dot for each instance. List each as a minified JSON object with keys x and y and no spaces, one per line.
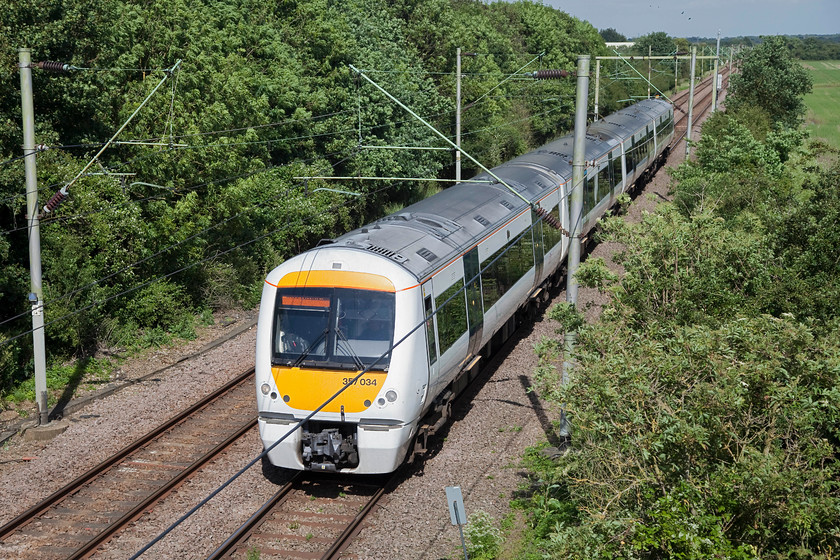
{"x":415,"y":300}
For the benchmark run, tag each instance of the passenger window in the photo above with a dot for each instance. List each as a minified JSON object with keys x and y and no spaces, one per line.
{"x":502,"y":269}
{"x":452,"y":315}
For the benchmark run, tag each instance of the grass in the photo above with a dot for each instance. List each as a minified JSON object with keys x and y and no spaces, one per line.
{"x":66,"y":380}
{"x":88,"y":373}
{"x":823,"y":118}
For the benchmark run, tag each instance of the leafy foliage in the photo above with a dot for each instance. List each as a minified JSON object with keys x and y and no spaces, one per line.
{"x":610,"y":35}
{"x":771,"y":80}
{"x":263,"y":94}
{"x":704,"y":403}
{"x":657,"y":43}
{"x":483,"y":537}
{"x":700,"y":442}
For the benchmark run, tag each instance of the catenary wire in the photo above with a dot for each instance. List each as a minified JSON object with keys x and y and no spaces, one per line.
{"x":178,"y":271}
{"x":165,"y":249}
{"x":311,"y":415}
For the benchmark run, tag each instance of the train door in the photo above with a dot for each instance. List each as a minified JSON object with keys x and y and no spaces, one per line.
{"x":431,"y":331}
{"x":539,"y":245}
{"x":616,"y":175}
{"x":475,"y":302}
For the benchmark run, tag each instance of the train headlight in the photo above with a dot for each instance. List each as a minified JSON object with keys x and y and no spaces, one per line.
{"x":265,"y":388}
{"x":389,"y":397}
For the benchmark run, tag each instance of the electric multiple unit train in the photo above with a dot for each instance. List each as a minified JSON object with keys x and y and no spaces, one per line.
{"x":419,"y":296}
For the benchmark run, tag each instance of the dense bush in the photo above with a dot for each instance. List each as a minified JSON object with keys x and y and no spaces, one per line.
{"x":700,"y":442}
{"x":705,"y":402}
{"x":263,"y":94}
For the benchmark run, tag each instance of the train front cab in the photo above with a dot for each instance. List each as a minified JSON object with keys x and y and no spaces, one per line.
{"x":318,"y":329}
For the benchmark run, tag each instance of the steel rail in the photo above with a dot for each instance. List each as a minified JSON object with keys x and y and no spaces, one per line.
{"x":251,"y":527}
{"x":241,"y":535}
{"x":90,"y":547}
{"x":108,"y":463}
{"x":344,"y":539}
{"x":700,"y":104}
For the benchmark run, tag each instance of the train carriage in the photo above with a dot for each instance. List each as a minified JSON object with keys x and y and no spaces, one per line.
{"x":447,"y":275}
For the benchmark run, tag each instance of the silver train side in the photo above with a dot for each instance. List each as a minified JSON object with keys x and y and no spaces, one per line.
{"x":330,"y":312}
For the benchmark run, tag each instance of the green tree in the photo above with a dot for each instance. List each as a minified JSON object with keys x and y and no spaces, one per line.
{"x":770,"y":79}
{"x":610,"y":35}
{"x":658,"y":42}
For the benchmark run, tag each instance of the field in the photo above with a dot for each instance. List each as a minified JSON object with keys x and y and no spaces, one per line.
{"x":823,"y":119}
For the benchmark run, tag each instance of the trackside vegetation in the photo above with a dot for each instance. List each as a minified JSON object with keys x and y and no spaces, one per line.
{"x":205,"y":193}
{"x":205,"y":189}
{"x":705,"y":401}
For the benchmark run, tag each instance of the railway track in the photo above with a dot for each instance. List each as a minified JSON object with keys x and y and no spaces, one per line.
{"x":311,"y":517}
{"x":78,"y":518}
{"x":308,"y":517}
{"x":315,"y":518}
{"x":702,"y":104}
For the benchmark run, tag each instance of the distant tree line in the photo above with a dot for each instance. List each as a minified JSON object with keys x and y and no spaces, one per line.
{"x":802,"y":47}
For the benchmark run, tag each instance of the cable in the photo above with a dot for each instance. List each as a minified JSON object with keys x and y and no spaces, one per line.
{"x":222,"y":145}
{"x":225,"y":221}
{"x":312,"y":414}
{"x":509,"y":77}
{"x":510,"y":122}
{"x":62,"y":67}
{"x":158,"y":278}
{"x":160,"y":252}
{"x":125,"y":164}
{"x":65,"y":218}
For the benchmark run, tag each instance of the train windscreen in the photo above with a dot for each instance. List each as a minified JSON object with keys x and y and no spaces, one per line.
{"x":333,"y":328}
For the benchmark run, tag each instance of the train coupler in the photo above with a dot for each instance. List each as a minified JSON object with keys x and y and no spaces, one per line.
{"x":329,"y":448}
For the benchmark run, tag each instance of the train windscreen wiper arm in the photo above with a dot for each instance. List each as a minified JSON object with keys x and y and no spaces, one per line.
{"x":356,"y":359}
{"x":315,"y":343}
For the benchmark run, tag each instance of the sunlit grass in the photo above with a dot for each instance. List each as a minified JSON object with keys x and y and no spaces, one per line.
{"x":823,"y":118}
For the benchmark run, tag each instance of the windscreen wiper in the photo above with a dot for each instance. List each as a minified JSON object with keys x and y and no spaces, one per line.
{"x":353,"y":354}
{"x":315,"y":343}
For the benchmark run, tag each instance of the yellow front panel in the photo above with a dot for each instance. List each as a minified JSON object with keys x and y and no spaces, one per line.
{"x":307,"y":389}
{"x":336,"y":279}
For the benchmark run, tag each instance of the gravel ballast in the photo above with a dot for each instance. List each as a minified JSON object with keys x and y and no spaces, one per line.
{"x":480,"y":451}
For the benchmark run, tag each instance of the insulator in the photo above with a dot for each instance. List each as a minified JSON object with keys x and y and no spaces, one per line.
{"x":56,"y":199}
{"x":54,"y":66}
{"x":548,"y":218}
{"x":551,"y":74}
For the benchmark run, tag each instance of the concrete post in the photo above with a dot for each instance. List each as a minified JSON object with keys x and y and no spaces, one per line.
{"x":715,"y":83}
{"x":458,"y":114}
{"x":597,"y":86}
{"x":690,"y":102}
{"x":36,"y":296}
{"x":576,"y":218}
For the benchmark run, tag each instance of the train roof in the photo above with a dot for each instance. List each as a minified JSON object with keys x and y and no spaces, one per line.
{"x":428,"y":234}
{"x":624,"y":123}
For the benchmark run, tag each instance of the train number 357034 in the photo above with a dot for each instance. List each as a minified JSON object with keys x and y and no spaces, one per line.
{"x":362,"y":381}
